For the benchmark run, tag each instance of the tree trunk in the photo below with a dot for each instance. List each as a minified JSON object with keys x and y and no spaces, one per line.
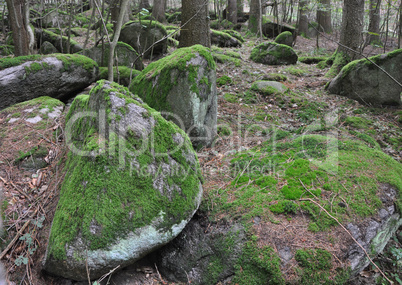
{"x":122,"y":12}
{"x":195,"y":19}
{"x":144,"y":4}
{"x":115,"y":8}
{"x":231,"y":11}
{"x":158,"y":11}
{"x":19,"y":26}
{"x":240,"y":9}
{"x":303,"y":19}
{"x":400,"y":26}
{"x":373,"y":36}
{"x":324,"y":16}
{"x":351,"y":35}
{"x":255,"y":16}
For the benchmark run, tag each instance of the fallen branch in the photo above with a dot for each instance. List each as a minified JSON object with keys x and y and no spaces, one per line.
{"x":14,"y":239}
{"x":346,"y":230}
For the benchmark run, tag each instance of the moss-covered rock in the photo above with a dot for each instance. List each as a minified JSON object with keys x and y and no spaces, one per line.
{"x":273,"y":54}
{"x":121,"y":74}
{"x":361,"y":80}
{"x":183,"y":87}
{"x":271,"y":28}
{"x":235,"y":34}
{"x":222,"y":39}
{"x":285,"y":38}
{"x":47,"y":48}
{"x":132,"y":183}
{"x":124,"y":53}
{"x":58,"y":75}
{"x":60,"y":42}
{"x":267,"y":88}
{"x":142,"y":35}
{"x":174,"y":18}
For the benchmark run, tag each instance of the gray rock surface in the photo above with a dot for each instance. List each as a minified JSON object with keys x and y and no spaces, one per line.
{"x":132,"y":183}
{"x":285,"y":38}
{"x":125,"y":54}
{"x":361,"y":80}
{"x":142,"y":35}
{"x":273,"y":54}
{"x":47,"y":48}
{"x":58,"y":76}
{"x":191,"y":257}
{"x":183,"y":87}
{"x":269,"y":87}
{"x":60,"y":42}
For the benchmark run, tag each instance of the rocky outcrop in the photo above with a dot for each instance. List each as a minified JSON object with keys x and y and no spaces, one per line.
{"x":222,"y":39}
{"x":144,"y":35}
{"x":363,"y":81}
{"x":132,"y":183}
{"x":183,"y":87}
{"x":124,"y":53}
{"x":47,"y":48}
{"x":273,"y":54}
{"x":58,"y":76}
{"x":267,"y":88}
{"x":200,"y":255}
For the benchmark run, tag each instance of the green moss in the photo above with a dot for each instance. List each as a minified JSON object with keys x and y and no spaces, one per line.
{"x":313,"y":227}
{"x":258,"y":266}
{"x":115,"y":199}
{"x":266,"y":91}
{"x":339,"y":60}
{"x":223,"y":80}
{"x":286,"y":206}
{"x":149,"y":24}
{"x":15,"y":61}
{"x":312,"y":59}
{"x":358,"y":122}
{"x":295,"y":71}
{"x":121,"y":72}
{"x":266,"y":49}
{"x":175,"y":17}
{"x":282,"y":37}
{"x":63,"y":39}
{"x":41,"y":102}
{"x":275,"y":77}
{"x":235,"y":34}
{"x":231,"y":98}
{"x":162,"y":69}
{"x":74,"y":60}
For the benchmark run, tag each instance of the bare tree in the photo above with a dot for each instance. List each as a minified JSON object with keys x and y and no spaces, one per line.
{"x":324,"y":16}
{"x":196,"y":23}
{"x":158,"y":11}
{"x":144,"y":4}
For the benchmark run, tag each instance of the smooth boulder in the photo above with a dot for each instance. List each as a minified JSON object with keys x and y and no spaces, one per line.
{"x":273,"y":54}
{"x":132,"y":183}
{"x":183,"y":87}
{"x":58,"y":75}
{"x":361,"y":80}
{"x":146,"y":37}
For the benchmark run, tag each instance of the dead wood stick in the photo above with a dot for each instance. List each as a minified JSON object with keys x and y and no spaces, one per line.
{"x":14,"y":239}
{"x":346,"y":230}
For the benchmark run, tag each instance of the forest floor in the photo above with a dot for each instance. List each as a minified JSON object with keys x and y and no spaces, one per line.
{"x":32,"y":197}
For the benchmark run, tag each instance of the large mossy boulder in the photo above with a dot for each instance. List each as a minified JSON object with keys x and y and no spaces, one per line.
{"x":125,"y":54}
{"x":58,"y":75}
{"x":363,"y":81}
{"x":222,"y":39}
{"x":267,"y":88}
{"x":145,"y":36}
{"x":183,"y":87}
{"x":132,"y":183}
{"x":273,"y":54}
{"x":60,"y":42}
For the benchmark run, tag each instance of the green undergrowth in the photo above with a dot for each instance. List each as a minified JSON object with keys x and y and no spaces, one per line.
{"x":225,"y":56}
{"x":103,"y":187}
{"x":295,"y":71}
{"x":223,"y":80}
{"x":273,"y":177}
{"x":315,"y":266}
{"x":312,"y":59}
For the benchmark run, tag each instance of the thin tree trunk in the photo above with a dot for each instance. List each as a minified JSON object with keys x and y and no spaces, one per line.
{"x":373,"y":36}
{"x":400,"y":26}
{"x":255,"y":16}
{"x":116,"y":36}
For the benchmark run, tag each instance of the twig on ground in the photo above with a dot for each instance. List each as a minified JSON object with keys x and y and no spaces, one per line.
{"x":346,"y":230}
{"x":14,"y":239}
